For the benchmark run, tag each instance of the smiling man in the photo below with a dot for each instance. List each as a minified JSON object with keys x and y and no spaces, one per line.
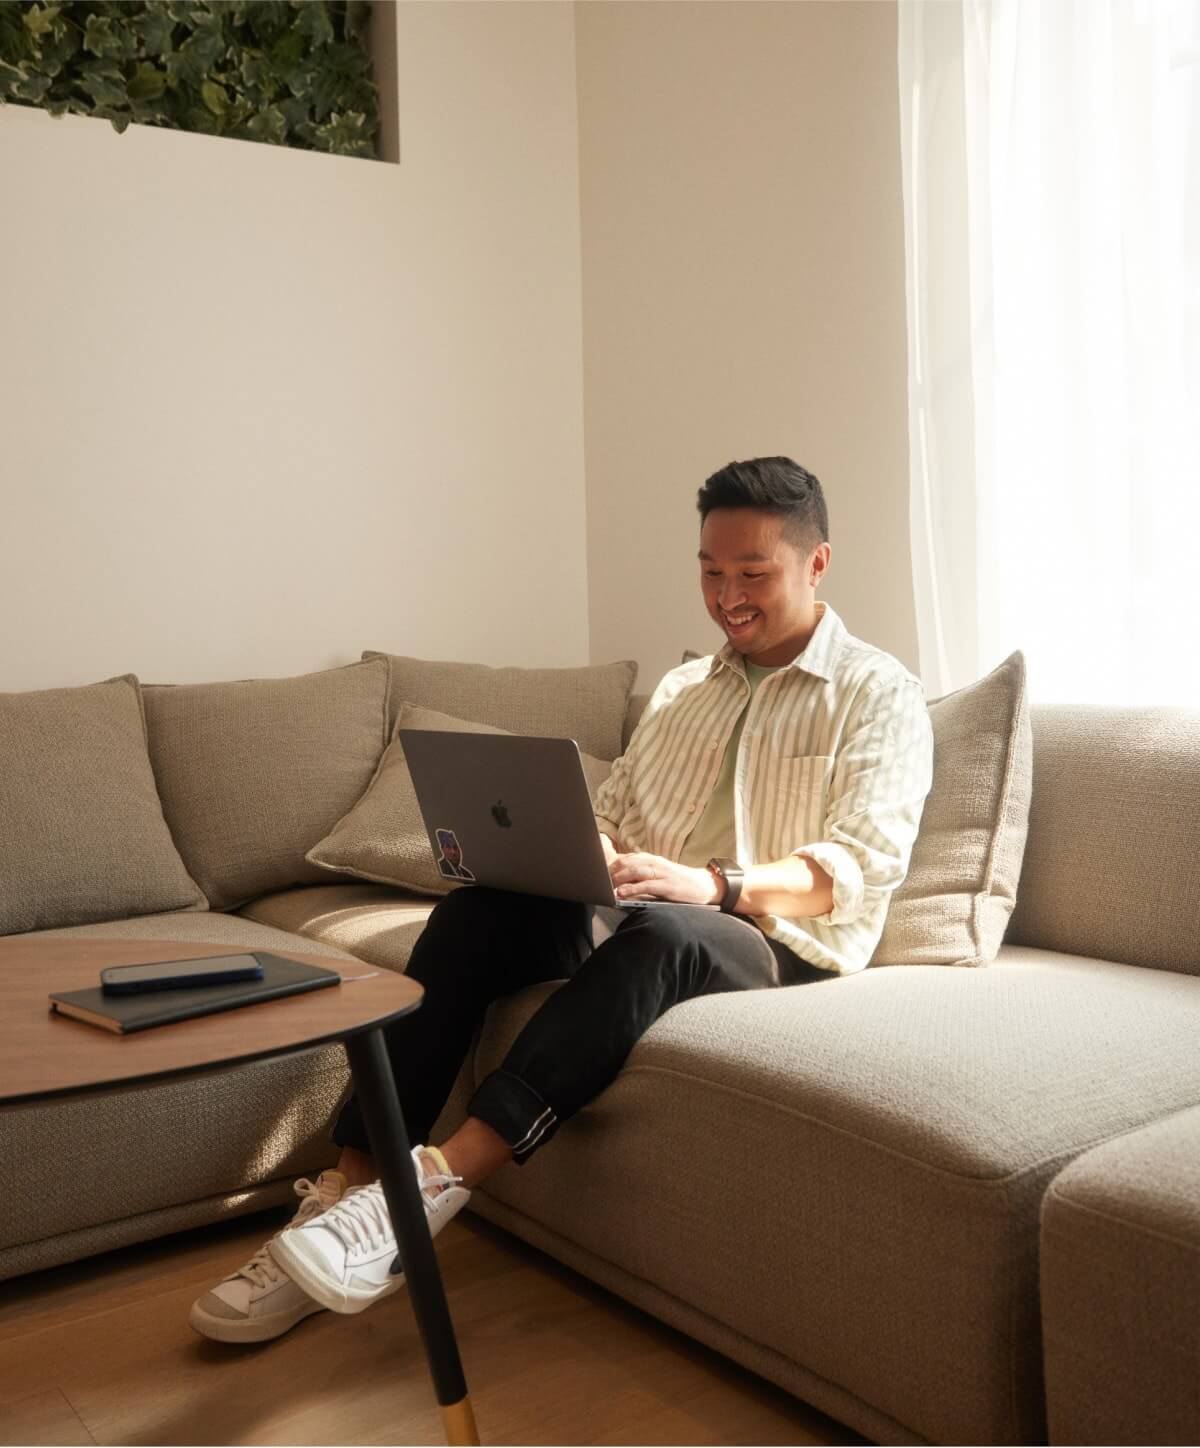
{"x":780,"y":780}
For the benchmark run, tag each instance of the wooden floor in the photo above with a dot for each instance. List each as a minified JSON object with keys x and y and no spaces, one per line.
{"x":101,"y":1352}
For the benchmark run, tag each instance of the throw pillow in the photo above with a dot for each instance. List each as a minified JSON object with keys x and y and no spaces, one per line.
{"x":585,"y":704}
{"x":252,"y":771}
{"x":83,"y":836}
{"x":383,"y":838}
{"x":955,"y":902}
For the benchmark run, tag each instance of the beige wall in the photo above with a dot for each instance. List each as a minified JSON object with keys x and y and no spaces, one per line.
{"x":743,"y":270}
{"x":263,"y":408}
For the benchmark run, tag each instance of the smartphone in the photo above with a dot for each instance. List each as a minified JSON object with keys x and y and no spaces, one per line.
{"x":177,"y":974}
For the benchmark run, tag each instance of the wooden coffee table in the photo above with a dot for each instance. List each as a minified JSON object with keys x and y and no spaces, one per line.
{"x":44,"y":1054}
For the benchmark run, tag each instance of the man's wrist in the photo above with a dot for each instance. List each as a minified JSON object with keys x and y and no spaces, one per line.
{"x":717,"y":886}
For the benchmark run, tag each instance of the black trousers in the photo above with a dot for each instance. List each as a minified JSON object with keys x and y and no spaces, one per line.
{"x":480,"y":944}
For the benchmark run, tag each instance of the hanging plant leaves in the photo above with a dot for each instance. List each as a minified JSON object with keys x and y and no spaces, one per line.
{"x":260,"y":70}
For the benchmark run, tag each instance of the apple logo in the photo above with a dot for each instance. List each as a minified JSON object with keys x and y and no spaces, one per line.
{"x":500,"y":815}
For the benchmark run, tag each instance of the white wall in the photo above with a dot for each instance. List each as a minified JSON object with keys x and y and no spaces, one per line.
{"x":743,"y":295}
{"x":262,"y":408}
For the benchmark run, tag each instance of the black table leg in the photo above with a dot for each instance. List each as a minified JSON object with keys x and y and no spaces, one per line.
{"x":375,"y":1088}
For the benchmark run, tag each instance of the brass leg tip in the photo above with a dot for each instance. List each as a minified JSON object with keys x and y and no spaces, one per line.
{"x":458,"y":1420}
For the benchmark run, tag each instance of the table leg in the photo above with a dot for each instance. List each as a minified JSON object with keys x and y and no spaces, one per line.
{"x":375,"y":1088}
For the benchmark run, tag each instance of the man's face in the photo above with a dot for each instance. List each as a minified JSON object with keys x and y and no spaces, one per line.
{"x":452,"y":853}
{"x":759,"y":587}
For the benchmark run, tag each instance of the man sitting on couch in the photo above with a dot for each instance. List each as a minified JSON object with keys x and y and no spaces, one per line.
{"x":782,"y":779}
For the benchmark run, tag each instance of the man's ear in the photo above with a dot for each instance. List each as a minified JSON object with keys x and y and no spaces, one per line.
{"x":818,"y":563}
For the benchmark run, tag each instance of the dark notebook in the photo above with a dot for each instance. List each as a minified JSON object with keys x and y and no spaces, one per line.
{"x":123,"y":1014}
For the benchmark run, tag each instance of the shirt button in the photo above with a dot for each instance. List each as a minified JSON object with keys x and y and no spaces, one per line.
{"x":714,"y":743}
{"x":691,"y":809}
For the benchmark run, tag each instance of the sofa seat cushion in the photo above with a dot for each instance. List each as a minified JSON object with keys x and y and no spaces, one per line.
{"x":905,"y":1123}
{"x":373,"y":922}
{"x":1120,"y":1280}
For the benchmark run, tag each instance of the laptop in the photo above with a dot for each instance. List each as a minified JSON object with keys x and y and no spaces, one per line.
{"x":513,"y":812}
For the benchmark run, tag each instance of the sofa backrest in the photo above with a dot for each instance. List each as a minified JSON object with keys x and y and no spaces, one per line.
{"x":634,"y":711}
{"x":1114,"y":832}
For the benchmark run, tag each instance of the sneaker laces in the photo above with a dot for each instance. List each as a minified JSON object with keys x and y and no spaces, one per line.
{"x":262,"y":1269}
{"x":361,"y":1219}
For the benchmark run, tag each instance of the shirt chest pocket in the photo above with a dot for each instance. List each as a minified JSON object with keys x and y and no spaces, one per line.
{"x":795,"y":800}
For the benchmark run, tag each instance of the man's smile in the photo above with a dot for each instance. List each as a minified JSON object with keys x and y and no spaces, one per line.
{"x":735,"y":622}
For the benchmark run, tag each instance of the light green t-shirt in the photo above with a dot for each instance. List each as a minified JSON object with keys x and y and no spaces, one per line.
{"x":715,"y":833}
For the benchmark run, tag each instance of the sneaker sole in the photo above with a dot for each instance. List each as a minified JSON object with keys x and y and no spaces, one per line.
{"x":248,"y":1329}
{"x":309,"y":1274}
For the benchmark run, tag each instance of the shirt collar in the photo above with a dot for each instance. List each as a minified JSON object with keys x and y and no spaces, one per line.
{"x":819,"y":656}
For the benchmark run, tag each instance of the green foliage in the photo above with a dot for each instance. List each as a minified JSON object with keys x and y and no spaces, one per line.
{"x":291,"y":72}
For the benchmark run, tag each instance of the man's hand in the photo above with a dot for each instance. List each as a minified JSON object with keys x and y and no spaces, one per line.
{"x":650,"y":877}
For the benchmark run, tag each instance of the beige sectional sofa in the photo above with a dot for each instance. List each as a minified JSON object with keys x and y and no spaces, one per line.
{"x":950,"y":1205}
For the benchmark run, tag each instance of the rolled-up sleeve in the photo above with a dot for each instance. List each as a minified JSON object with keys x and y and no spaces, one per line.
{"x":882,"y":773}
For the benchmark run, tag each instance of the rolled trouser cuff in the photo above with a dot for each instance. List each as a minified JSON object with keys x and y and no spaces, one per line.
{"x":350,"y":1129}
{"x":514,"y":1109}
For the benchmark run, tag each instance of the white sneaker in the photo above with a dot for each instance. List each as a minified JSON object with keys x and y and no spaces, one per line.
{"x":260,"y":1301}
{"x":344,"y":1260}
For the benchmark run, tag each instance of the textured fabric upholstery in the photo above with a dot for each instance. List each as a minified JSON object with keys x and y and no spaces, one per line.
{"x":253,"y":773}
{"x":112,"y":1167}
{"x":82,"y":834}
{"x":908,"y":1120}
{"x":954,"y":904}
{"x":383,"y":838}
{"x":1120,"y":1285}
{"x":585,"y":704}
{"x":1113,"y":831}
{"x":374,"y":922}
{"x":633,"y":714}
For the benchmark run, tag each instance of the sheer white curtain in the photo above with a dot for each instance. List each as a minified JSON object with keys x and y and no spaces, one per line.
{"x":1051,"y":154}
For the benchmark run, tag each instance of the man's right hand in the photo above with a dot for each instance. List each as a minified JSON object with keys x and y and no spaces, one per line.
{"x":610,"y":850}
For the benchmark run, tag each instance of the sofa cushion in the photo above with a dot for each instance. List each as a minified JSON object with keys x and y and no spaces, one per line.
{"x":1114,"y":825}
{"x":954,"y":904}
{"x":253,"y":772}
{"x":585,"y":704}
{"x":908,"y":1121}
{"x":374,"y":922}
{"x":383,"y":838}
{"x":82,"y":833}
{"x":1120,"y":1283}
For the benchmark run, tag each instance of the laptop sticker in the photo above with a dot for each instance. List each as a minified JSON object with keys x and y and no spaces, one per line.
{"x":450,"y":863}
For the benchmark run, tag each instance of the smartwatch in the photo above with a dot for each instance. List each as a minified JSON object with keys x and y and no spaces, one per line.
{"x":732,"y":874}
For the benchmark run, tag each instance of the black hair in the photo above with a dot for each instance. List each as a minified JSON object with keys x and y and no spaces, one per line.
{"x":776,"y":485}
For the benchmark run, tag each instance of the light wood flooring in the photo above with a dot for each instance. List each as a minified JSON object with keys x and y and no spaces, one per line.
{"x":100,"y":1351}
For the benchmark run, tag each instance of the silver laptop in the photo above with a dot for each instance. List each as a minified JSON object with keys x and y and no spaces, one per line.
{"x":512,"y":812}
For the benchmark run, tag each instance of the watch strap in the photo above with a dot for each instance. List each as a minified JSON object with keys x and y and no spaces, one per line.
{"x":732,"y":873}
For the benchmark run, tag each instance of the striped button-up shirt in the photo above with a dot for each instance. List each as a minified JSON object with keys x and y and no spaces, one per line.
{"x":834,"y":763}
